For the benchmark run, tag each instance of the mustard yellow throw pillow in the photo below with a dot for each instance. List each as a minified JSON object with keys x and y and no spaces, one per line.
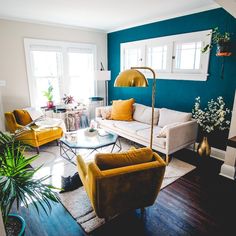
{"x":22,"y":117}
{"x":122,"y":110}
{"x":107,"y":161}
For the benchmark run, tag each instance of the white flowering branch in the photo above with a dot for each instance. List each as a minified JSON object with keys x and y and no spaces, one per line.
{"x":213,"y":117}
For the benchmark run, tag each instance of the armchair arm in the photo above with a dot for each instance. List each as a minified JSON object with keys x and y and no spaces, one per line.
{"x":181,"y":135}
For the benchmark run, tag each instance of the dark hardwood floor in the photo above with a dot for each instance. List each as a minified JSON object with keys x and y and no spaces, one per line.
{"x":199,"y":203}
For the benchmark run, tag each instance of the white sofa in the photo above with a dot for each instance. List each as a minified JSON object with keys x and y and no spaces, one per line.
{"x":173,"y":130}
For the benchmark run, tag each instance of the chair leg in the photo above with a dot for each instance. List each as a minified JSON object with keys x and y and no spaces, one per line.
{"x":167,"y":159}
{"x":37,"y":150}
{"x":57,"y":142}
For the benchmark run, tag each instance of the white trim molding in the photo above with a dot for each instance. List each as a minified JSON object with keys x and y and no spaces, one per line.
{"x":142,"y":52}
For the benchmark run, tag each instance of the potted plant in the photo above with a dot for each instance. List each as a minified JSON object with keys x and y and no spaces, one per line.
{"x":212,"y":118}
{"x":222,"y":41}
{"x":49,"y":95}
{"x":68,"y":101}
{"x":18,"y":185}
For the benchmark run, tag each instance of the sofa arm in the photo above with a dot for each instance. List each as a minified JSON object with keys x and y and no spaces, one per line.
{"x":99,"y":110}
{"x":181,"y":135}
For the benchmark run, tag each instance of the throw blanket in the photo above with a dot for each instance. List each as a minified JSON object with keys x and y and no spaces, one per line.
{"x":47,"y":122}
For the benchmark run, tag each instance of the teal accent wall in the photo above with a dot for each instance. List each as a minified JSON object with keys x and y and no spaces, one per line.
{"x":179,"y":94}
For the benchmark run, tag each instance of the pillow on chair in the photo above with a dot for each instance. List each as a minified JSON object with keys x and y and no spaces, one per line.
{"x":22,"y":117}
{"x":122,"y":110}
{"x":107,"y":161}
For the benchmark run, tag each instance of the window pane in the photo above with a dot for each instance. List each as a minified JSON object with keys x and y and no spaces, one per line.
{"x":81,"y":67}
{"x":188,"y":56}
{"x":132,"y":57}
{"x":45,"y":63}
{"x":157,"y":57}
{"x":42,"y":84}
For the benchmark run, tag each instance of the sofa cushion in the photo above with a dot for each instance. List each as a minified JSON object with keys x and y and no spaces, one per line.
{"x":107,"y":161}
{"x":146,"y":133}
{"x":164,"y":130}
{"x":106,"y":113}
{"x":143,"y":114}
{"x":22,"y":117}
{"x":168,"y":116}
{"x":122,"y":110}
{"x":130,"y":126}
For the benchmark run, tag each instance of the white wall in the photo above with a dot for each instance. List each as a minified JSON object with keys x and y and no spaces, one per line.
{"x":12,"y":56}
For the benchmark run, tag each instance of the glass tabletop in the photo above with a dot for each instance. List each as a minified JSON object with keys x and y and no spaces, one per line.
{"x":83,"y":139}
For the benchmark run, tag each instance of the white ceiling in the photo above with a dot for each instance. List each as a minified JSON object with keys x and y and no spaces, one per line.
{"x":105,"y":15}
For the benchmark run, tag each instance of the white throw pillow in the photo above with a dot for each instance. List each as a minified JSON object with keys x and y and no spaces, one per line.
{"x":164,"y":130}
{"x":34,"y":112}
{"x":168,"y":116}
{"x":143,"y":114}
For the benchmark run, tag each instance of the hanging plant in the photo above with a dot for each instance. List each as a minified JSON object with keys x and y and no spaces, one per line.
{"x":221,"y":40}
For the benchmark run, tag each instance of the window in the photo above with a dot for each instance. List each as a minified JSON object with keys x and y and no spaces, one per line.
{"x":188,"y":56}
{"x":157,"y":57}
{"x":172,"y":57}
{"x":68,"y":67}
{"x":133,"y":55}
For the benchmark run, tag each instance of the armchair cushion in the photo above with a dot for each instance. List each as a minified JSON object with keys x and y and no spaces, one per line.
{"x":107,"y":161}
{"x":22,"y":117}
{"x":122,"y":110}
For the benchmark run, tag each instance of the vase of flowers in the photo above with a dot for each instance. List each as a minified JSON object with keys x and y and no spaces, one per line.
{"x":211,"y":118}
{"x":69,"y":101}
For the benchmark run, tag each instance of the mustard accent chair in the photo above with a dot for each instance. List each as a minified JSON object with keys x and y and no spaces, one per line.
{"x":132,"y":184}
{"x":34,"y":137}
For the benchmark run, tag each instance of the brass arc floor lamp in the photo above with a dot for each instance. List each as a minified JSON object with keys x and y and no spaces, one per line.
{"x":134,"y":78}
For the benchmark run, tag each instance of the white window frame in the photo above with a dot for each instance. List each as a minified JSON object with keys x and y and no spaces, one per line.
{"x":63,"y":47}
{"x":171,"y":41}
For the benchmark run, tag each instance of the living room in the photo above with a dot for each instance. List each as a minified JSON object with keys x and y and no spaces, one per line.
{"x":156,"y":82}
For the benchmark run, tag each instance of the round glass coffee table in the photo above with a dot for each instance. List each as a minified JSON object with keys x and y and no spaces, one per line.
{"x":81,"y":139}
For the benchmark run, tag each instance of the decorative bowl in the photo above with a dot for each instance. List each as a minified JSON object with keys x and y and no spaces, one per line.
{"x":90,"y":132}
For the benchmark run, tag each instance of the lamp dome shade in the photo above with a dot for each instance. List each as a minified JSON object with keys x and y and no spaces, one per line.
{"x":131,"y":78}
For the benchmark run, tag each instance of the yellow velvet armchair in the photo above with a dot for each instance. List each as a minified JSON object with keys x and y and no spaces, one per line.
{"x":119,"y":182}
{"x":34,"y":137}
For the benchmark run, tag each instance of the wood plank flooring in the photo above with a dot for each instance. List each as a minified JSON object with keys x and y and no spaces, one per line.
{"x":199,"y":203}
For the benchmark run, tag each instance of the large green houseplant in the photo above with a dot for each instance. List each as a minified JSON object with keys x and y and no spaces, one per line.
{"x":17,"y":183}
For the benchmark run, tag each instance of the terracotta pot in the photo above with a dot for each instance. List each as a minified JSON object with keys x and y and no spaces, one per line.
{"x":50,"y":104}
{"x":223,"y":49}
{"x":204,"y":149}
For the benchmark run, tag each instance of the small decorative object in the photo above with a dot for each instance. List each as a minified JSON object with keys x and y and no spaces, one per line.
{"x":49,"y":95}
{"x":222,"y":41}
{"x":212,"y":118}
{"x":92,"y":130}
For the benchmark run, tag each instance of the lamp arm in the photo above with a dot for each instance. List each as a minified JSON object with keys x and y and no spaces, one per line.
{"x":145,"y":68}
{"x":153,"y":96}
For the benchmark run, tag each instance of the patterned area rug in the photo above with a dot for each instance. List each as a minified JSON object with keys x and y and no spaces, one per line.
{"x":77,"y":202}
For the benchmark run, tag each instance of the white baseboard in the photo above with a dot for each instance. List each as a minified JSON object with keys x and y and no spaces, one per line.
{"x":215,"y":152}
